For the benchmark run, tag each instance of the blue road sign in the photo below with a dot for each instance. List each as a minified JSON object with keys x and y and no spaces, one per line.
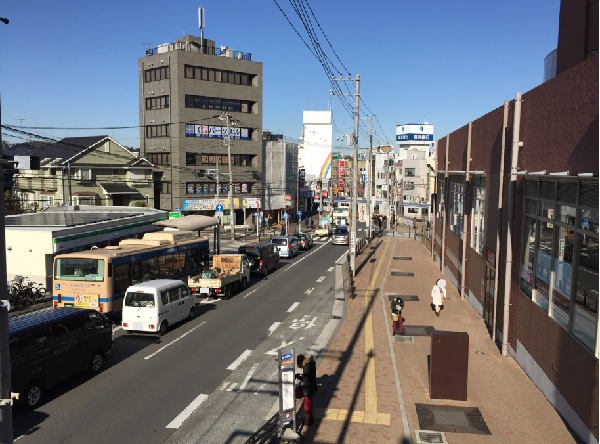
{"x":219,"y":208}
{"x":178,"y":209}
{"x":319,"y":209}
{"x":585,"y":223}
{"x":299,"y":213}
{"x":285,"y":216}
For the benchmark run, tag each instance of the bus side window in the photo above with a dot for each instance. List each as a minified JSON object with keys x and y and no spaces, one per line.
{"x":164,"y":297}
{"x":149,"y":269}
{"x":135,"y":271}
{"x":165,"y":264}
{"x":121,"y":280}
{"x":190,"y":263}
{"x":179,"y":263}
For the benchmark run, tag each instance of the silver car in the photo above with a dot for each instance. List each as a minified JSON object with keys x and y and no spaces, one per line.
{"x":341,"y":236}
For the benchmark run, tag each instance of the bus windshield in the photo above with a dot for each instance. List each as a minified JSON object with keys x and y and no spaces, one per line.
{"x":74,"y":269}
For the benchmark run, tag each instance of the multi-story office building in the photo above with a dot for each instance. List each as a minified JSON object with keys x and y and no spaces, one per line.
{"x":415,"y":175}
{"x":415,"y":136}
{"x":186,"y":88}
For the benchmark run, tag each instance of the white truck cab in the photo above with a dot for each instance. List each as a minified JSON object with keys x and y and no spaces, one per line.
{"x":155,"y":305}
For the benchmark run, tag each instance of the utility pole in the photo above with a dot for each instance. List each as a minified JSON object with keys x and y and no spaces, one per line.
{"x":297,"y":198}
{"x":388,"y":186}
{"x":227,"y":139}
{"x":354,"y":174}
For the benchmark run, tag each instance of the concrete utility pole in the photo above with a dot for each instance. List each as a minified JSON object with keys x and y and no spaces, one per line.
{"x":388,"y":186}
{"x":354,"y":171}
{"x":368,"y":176}
{"x":227,"y":140}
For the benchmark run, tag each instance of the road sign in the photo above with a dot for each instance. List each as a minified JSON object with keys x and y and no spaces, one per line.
{"x":219,"y":208}
{"x":219,"y":214}
{"x":299,"y":213}
{"x":178,"y":209}
{"x":285,"y":216}
{"x":319,"y":209}
{"x":585,"y":223}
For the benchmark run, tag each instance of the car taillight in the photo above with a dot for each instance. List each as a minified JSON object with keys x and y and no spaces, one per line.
{"x":125,"y":324}
{"x":218,"y":290}
{"x":151,"y":327}
{"x":260,"y":264}
{"x":101,"y":307}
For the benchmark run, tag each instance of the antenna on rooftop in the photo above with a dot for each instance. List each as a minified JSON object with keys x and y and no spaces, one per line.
{"x":201,"y":25}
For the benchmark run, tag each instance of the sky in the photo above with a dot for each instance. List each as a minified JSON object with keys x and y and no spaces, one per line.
{"x":74,"y":64}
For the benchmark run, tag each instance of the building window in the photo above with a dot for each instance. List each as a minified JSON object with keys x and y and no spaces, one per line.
{"x":85,"y":200}
{"x":441,"y":200}
{"x":216,"y":75}
{"x":217,"y":103}
{"x":456,"y":201}
{"x":159,"y":158}
{"x":157,"y":130}
{"x":83,"y":174}
{"x":157,"y":102}
{"x":559,"y":255}
{"x":151,"y":75}
{"x":165,"y":187}
{"x":409,"y":186}
{"x":47,"y":201}
{"x":409,"y":172}
{"x":478,"y":214}
{"x":190,"y":159}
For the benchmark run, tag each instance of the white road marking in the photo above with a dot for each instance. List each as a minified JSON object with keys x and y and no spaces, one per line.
{"x":293,"y":307}
{"x":250,"y":293}
{"x":321,"y":279}
{"x":224,"y":386}
{"x":241,"y":358}
{"x":176,"y":423}
{"x":283,"y":344}
{"x":174,"y":341}
{"x":303,"y":257}
{"x":330,"y":269}
{"x":340,"y":258}
{"x":311,"y":323}
{"x":309,"y":291}
{"x":209,"y":301}
{"x":273,"y":327}
{"x":247,"y":378}
{"x":231,"y":387}
{"x":359,"y":229}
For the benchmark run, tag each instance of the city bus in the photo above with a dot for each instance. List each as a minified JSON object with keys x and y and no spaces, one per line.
{"x":98,"y":278}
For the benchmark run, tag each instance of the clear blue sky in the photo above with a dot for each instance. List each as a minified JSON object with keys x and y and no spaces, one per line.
{"x":74,"y":63}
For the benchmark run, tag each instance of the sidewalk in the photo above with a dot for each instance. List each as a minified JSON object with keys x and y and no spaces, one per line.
{"x":370,"y":384}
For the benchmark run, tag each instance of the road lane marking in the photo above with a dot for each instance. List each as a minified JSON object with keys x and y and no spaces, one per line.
{"x":176,"y":423}
{"x":174,"y":340}
{"x":231,"y":387}
{"x":293,"y":307}
{"x":309,"y":291}
{"x":283,"y":344}
{"x":273,"y":327}
{"x":370,"y":381}
{"x":303,"y":257}
{"x":321,"y":279}
{"x":241,"y":358}
{"x":330,"y":269}
{"x":251,"y":292}
{"x":247,"y":378}
{"x":224,"y":386}
{"x":311,"y":323}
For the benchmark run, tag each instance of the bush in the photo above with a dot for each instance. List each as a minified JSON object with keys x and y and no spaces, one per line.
{"x":140,"y":203}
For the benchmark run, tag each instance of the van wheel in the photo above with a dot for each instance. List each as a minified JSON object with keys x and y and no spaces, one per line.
{"x":33,"y":394}
{"x":163,"y":329}
{"x":96,"y":362}
{"x":266,"y":271}
{"x":191,"y":314}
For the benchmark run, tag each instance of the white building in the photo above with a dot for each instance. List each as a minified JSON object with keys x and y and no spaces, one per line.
{"x":415,"y":136}
{"x":318,"y":136}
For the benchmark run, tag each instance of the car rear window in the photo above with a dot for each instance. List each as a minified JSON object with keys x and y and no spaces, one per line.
{"x":138,"y":299}
{"x":276,"y":241}
{"x":250,"y":252}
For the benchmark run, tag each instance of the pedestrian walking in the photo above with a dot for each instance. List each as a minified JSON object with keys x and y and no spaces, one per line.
{"x":379,"y":223}
{"x":283,"y":229}
{"x":397,"y":306}
{"x":312,"y":224}
{"x":438,"y":294}
{"x":309,"y":384}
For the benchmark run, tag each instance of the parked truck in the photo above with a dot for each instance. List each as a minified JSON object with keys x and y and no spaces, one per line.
{"x":229,"y":272}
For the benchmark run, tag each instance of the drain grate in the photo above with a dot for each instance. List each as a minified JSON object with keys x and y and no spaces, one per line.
{"x":401,"y":273}
{"x":418,"y":330}
{"x":429,"y":436}
{"x":400,"y":258}
{"x":446,"y":418}
{"x":405,"y":298}
{"x":404,"y":339}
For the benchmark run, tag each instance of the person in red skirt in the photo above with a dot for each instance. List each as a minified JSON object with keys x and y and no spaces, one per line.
{"x":309,"y":384}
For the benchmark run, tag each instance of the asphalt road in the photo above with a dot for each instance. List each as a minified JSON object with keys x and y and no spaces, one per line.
{"x":222,"y":365}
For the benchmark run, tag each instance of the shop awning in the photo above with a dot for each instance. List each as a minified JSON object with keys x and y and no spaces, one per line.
{"x":118,"y":188}
{"x":193,"y":222}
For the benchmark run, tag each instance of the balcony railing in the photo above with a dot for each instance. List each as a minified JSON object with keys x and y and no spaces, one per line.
{"x":194,"y":47}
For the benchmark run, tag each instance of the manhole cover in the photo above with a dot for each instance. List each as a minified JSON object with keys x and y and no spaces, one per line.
{"x":401,"y":273}
{"x":446,"y":418}
{"x":404,"y":339}
{"x":418,"y":330}
{"x":400,"y":258}
{"x":405,"y":298}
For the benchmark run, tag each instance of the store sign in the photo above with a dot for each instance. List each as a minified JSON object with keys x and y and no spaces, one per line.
{"x":490,"y":257}
{"x":420,"y":137}
{"x":215,"y":132}
{"x":207,"y":204}
{"x":252,"y":202}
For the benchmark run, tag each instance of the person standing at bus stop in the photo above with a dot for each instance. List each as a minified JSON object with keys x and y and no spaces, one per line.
{"x":309,"y":384}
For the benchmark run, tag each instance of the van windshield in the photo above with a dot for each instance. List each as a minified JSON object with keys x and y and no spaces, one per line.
{"x":79,"y":269}
{"x":340,"y":231}
{"x":276,"y":241}
{"x":139,"y":299}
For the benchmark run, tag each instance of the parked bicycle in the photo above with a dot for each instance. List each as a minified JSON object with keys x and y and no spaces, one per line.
{"x":22,"y":292}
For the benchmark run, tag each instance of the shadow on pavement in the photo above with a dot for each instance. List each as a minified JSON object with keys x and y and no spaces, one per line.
{"x":27,"y":423}
{"x":364,"y":260}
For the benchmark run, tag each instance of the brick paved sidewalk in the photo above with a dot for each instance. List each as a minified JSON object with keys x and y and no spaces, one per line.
{"x":358,"y":402}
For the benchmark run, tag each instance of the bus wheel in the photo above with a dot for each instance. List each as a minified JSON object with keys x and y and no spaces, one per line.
{"x":163,"y":329}
{"x":33,"y":394}
{"x":96,"y":362}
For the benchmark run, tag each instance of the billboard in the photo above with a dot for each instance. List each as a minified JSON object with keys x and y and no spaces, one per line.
{"x":414,"y":132}
{"x":318,"y":135}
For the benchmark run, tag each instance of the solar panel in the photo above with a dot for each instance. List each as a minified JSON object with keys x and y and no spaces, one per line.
{"x":62,"y":219}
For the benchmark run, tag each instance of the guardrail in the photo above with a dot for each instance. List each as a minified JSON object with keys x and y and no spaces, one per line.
{"x":265,"y":432}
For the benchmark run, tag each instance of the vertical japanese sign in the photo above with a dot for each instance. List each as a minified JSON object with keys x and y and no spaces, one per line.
{"x":287,"y":411}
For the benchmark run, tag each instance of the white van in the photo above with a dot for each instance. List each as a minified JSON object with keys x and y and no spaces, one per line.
{"x":154,"y":305}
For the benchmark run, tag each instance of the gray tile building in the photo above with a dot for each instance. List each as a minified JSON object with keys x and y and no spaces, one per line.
{"x":184,"y":87}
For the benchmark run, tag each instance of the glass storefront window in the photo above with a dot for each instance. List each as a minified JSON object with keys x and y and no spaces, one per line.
{"x":530,"y":206}
{"x":585,"y":317}
{"x":543,"y":265}
{"x":563,"y":272}
{"x":478,"y":219}
{"x":589,"y":220}
{"x":547,"y":210}
{"x":527,"y":255}
{"x":566,"y":214}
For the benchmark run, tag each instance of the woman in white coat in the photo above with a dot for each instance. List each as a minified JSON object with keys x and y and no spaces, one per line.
{"x":438,"y":294}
